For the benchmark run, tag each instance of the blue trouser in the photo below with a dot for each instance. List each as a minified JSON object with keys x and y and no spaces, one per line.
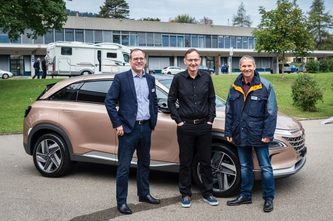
{"x":246,"y":162}
{"x":139,"y":139}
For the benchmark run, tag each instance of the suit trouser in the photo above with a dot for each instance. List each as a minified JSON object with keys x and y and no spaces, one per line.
{"x":195,"y":139}
{"x":139,"y":139}
{"x":36,"y":73}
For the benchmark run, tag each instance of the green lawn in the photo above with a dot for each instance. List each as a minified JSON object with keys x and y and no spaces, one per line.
{"x":17,"y":94}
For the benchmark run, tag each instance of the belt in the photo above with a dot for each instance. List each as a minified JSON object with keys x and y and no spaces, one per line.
{"x":141,"y":121}
{"x":195,"y":121}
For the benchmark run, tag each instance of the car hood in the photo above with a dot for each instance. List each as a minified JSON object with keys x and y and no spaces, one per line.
{"x":284,"y":122}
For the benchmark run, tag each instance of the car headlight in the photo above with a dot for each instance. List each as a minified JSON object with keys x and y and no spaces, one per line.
{"x":283,"y":132}
{"x":277,"y":145}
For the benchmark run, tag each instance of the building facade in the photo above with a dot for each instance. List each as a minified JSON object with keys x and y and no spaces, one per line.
{"x":165,"y":43}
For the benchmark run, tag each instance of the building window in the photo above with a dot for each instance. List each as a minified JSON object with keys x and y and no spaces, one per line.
{"x":227,"y":41}
{"x":180,"y":41}
{"x":233,"y":42}
{"x":107,"y":36}
{"x":3,"y":37}
{"x":59,"y":35}
{"x":251,"y":43}
{"x":25,"y":39}
{"x":89,"y":36}
{"x":49,"y":36}
{"x":201,"y":41}
{"x":142,"y":39}
{"x":221,"y":41}
{"x":187,"y":41}
{"x":214,"y":41}
{"x":98,"y":36}
{"x":133,"y":39}
{"x":79,"y":35}
{"x":116,"y":37}
{"x":208,"y":41}
{"x":194,"y":41}
{"x":165,"y":40}
{"x":69,"y":34}
{"x":173,"y":41}
{"x":158,"y":39}
{"x":238,"y":42}
{"x":245,"y":43}
{"x":39,"y":40}
{"x":150,"y":39}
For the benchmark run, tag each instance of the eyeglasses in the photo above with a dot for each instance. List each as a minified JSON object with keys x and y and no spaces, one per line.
{"x":138,"y":59}
{"x":193,"y":60}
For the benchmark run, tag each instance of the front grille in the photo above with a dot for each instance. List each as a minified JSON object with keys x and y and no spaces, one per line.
{"x":298,"y":143}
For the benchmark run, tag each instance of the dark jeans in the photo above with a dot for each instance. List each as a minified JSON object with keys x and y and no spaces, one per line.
{"x":195,"y":139}
{"x":246,"y":162}
{"x":36,"y":73}
{"x":44,"y":73}
{"x":139,"y":139}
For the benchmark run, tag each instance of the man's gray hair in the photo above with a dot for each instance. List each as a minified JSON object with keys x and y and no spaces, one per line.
{"x":247,"y":57}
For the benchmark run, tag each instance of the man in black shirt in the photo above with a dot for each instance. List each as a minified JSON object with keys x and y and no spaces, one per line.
{"x":195,"y":93}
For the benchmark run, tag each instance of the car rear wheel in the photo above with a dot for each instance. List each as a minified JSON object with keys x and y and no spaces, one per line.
{"x":226,"y":170}
{"x":169,"y":72}
{"x":5,"y":76}
{"x":86,"y":73}
{"x":50,"y":155}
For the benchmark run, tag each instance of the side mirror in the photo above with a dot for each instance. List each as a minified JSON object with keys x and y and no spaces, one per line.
{"x":163,"y":106}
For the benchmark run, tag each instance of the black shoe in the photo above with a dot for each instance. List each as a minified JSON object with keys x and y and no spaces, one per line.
{"x":124,"y":209}
{"x":268,"y":205}
{"x":240,"y":200}
{"x":149,"y":199}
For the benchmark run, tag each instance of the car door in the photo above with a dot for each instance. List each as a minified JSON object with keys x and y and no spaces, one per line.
{"x":87,"y":122}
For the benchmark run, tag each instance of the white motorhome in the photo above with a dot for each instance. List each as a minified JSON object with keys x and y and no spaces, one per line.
{"x":78,"y":58}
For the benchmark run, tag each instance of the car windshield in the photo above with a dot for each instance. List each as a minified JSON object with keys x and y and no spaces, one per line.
{"x":167,"y":83}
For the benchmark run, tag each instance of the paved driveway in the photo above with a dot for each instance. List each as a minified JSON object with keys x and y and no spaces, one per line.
{"x":88,"y":192}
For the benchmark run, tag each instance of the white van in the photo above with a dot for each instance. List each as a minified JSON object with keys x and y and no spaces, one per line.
{"x":78,"y":58}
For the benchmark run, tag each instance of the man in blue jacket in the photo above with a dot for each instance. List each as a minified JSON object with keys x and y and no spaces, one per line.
{"x":135,"y":92}
{"x":251,"y":114}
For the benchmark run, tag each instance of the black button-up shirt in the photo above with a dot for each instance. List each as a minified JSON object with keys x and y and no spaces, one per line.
{"x":196,"y":97}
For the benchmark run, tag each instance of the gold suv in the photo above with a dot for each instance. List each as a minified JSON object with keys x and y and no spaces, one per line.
{"x":68,"y":123}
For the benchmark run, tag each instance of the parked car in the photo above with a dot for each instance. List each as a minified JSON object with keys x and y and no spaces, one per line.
{"x":172,"y":70}
{"x":69,"y":123}
{"x":209,"y":70}
{"x":5,"y":74}
{"x":287,"y":69}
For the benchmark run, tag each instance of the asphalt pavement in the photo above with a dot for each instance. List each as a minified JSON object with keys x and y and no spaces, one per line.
{"x":88,"y":192}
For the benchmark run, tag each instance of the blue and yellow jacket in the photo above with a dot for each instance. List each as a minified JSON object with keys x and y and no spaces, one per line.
{"x":252,"y":116}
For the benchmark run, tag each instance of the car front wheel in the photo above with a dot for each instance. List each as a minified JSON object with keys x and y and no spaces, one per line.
{"x":5,"y":76}
{"x":226,"y":170}
{"x":50,"y":155}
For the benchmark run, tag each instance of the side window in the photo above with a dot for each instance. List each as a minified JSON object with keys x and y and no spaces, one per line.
{"x":94,"y":91}
{"x":66,"y":51}
{"x":67,"y":93}
{"x":126,"y":57}
{"x":162,"y":96}
{"x":111,"y":55}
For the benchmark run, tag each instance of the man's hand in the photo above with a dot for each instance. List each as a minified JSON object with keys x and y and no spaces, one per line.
{"x":210,"y":123}
{"x":265,"y":140}
{"x":120,"y":130}
{"x":229,"y":139}
{"x":180,"y":124}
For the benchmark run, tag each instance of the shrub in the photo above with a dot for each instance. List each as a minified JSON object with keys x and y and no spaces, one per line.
{"x":312,"y":66}
{"x":306,"y":92}
{"x":330,"y":65}
{"x":323,"y":65}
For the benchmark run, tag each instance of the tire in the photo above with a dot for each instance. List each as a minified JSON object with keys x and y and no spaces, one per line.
{"x":50,"y":156}
{"x":169,"y":72}
{"x":5,"y":76}
{"x":226,"y":170}
{"x":86,"y":73}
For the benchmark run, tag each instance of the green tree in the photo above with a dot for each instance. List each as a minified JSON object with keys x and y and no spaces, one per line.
{"x":241,"y":19}
{"x":184,"y":18}
{"x":114,"y":9}
{"x":149,"y":19}
{"x":283,"y":29}
{"x":320,"y":22}
{"x":38,"y":16}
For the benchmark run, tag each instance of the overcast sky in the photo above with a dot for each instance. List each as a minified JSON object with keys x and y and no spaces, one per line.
{"x":220,"y":11}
